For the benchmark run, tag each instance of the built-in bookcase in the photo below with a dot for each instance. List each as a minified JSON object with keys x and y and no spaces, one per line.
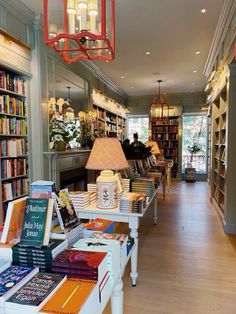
{"x":13,"y":137}
{"x":165,"y":131}
{"x":109,"y":123}
{"x":219,"y":120}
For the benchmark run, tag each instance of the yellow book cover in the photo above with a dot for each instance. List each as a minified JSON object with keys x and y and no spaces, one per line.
{"x":70,"y":297}
{"x":14,"y":220}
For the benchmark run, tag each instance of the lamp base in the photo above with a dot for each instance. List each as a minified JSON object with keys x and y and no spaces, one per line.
{"x":107,"y":190}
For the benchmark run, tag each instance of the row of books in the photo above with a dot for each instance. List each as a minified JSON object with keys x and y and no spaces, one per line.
{"x":13,"y":147}
{"x":165,"y":129}
{"x":13,"y":126}
{"x":133,"y":202}
{"x":170,"y":152}
{"x":82,"y":198}
{"x":12,"y":105}
{"x":143,"y":185}
{"x":159,"y":121}
{"x":164,"y":136}
{"x":12,"y":82}
{"x":16,"y":188}
{"x":167,"y":144}
{"x":13,"y":167}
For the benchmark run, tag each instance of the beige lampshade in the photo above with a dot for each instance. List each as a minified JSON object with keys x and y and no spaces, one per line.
{"x":155,"y":148}
{"x":107,"y":153}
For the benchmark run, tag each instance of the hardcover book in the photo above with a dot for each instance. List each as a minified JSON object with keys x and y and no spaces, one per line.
{"x":37,"y":222}
{"x":14,"y":220}
{"x":35,"y":292}
{"x":65,"y":209}
{"x":72,"y":297}
{"x":76,"y":259}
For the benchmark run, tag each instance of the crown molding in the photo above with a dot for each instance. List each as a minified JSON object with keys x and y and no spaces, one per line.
{"x":223,"y":25}
{"x":93,"y":68}
{"x":19,"y":10}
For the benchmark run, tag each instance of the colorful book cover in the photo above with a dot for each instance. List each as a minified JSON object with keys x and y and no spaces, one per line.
{"x":70,"y":297}
{"x":98,"y":224}
{"x":77,"y":259}
{"x":14,"y":220}
{"x":36,"y":222}
{"x":36,"y":290}
{"x":11,"y":276}
{"x":65,"y":209}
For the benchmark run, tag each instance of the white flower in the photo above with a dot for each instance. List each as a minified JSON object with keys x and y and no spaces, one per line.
{"x":58,"y":137}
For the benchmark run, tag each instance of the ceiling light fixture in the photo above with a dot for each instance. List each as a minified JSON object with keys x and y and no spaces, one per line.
{"x":122,"y":77}
{"x":159,"y":107}
{"x":88,"y":30}
{"x":148,"y":52}
{"x":197,"y":52}
{"x":194,"y":71}
{"x":203,"y":11}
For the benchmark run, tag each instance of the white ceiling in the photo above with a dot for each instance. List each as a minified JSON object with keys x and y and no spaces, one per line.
{"x":172,"y":30}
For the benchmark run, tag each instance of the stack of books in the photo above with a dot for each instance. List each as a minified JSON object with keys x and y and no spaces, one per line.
{"x":71,"y":234}
{"x":92,"y":187}
{"x":42,"y":189}
{"x":34,"y":294}
{"x":38,"y":257}
{"x":81,"y":264}
{"x":73,"y":296}
{"x":80,"y":199}
{"x":133,"y":202}
{"x":92,"y":197}
{"x":125,"y":243}
{"x":11,"y":279}
{"x":125,"y":184}
{"x":143,"y":185}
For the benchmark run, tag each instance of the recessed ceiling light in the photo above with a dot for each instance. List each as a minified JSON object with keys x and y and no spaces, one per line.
{"x":197,"y":52}
{"x":147,"y":52}
{"x":194,"y":71}
{"x":203,"y":11}
{"x":122,"y":77}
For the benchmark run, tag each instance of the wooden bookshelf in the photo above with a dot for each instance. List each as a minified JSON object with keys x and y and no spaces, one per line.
{"x":165,"y":132}
{"x":219,"y":126}
{"x":13,"y":137}
{"x":109,"y":123}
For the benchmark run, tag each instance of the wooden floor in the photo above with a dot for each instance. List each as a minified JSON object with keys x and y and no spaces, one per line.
{"x":187,"y":265}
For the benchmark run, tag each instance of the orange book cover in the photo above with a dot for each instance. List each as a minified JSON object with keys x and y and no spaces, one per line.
{"x":14,"y":220}
{"x":98,"y":224}
{"x":70,"y":297}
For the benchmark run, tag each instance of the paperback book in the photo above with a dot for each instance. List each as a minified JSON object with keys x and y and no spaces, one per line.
{"x":35,"y":293}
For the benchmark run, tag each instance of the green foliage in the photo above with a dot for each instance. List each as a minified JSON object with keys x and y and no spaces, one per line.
{"x":194,"y":149}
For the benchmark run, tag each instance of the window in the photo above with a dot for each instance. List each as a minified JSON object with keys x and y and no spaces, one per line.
{"x":138,"y":124}
{"x":195,"y":132}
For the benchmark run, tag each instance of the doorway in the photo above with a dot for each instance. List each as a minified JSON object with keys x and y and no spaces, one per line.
{"x":195,"y":133}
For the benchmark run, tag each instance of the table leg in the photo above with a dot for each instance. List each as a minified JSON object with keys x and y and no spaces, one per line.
{"x":117,"y":298}
{"x":155,"y":210}
{"x":164,"y":187}
{"x":133,"y":225}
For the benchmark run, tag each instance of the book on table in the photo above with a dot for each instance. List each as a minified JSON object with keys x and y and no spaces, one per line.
{"x":13,"y":278}
{"x":42,"y":189}
{"x":34,"y":294}
{"x":14,"y":220}
{"x":81,"y":264}
{"x":64,"y":208}
{"x":73,"y":296}
{"x":37,"y":222}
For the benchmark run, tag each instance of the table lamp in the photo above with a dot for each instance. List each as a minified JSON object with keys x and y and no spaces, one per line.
{"x":107,"y":155}
{"x":155,"y":148}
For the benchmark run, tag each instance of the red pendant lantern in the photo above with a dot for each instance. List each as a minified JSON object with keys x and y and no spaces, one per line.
{"x":80,"y":29}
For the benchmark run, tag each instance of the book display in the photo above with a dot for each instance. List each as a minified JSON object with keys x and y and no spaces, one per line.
{"x":219,"y":123}
{"x":13,"y":137}
{"x":165,"y":131}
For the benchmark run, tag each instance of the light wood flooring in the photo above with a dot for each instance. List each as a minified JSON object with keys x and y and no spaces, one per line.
{"x":187,"y":265}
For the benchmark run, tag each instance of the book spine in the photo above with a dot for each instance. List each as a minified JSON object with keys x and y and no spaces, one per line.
{"x":73,"y":266}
